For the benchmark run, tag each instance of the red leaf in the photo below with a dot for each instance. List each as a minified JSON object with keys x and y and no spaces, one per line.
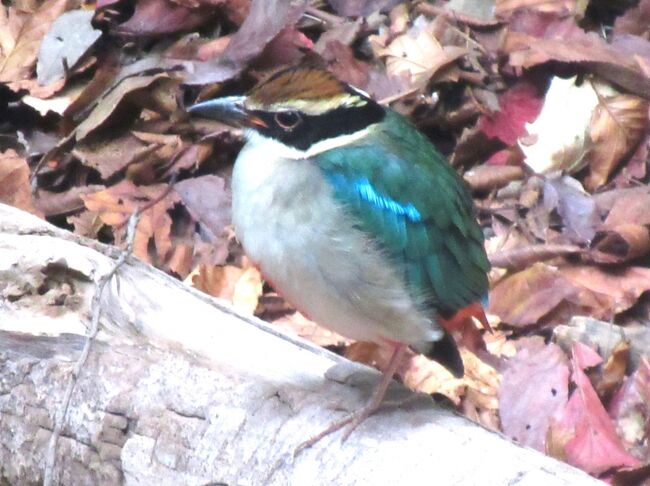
{"x":595,"y":446}
{"x":519,"y":105}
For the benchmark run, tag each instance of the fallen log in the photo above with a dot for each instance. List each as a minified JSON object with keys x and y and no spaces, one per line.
{"x":180,"y":390}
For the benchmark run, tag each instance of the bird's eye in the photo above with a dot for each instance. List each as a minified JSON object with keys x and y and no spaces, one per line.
{"x":287,"y":120}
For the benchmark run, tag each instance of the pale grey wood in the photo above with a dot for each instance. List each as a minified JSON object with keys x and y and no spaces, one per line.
{"x":179,"y":390}
{"x":605,"y":336}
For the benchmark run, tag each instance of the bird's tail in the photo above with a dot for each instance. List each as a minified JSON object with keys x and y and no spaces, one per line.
{"x":446,"y":353}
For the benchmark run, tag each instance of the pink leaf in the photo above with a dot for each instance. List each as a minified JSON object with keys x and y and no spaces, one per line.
{"x":584,"y":356}
{"x":595,"y":446}
{"x":534,"y":388}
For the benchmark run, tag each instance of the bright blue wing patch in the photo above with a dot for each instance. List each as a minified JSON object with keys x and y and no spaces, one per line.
{"x":364,"y":189}
{"x":368,"y":193}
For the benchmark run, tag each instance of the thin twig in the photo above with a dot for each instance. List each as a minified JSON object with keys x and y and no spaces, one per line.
{"x":324,"y":17}
{"x":59,"y":419}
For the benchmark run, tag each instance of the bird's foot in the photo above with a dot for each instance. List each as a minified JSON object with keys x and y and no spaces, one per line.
{"x":353,"y":420}
{"x":349,"y":422}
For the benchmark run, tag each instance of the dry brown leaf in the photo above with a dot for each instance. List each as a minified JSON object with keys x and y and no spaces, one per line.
{"x":526,"y":297}
{"x":115,"y":204}
{"x":107,"y":105}
{"x":527,"y":51}
{"x":520,"y":257}
{"x":14,"y":182}
{"x":298,"y":324}
{"x":181,"y":259}
{"x":605,"y":293}
{"x":240,"y":286}
{"x":418,"y":53}
{"x":20,"y":59}
{"x":612,"y":374}
{"x":429,"y":377}
{"x":248,"y":289}
{"x":111,"y":155}
{"x":65,"y":202}
{"x":490,"y":177}
{"x":617,"y":125}
{"x":218,"y":281}
{"x":621,"y":243}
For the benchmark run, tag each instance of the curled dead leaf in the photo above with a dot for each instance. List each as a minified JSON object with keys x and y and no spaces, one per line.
{"x":620,"y":244}
{"x":617,"y":125}
{"x":490,"y":177}
{"x":613,"y":371}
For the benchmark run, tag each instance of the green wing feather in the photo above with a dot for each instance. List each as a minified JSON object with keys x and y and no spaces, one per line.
{"x":409,"y":199}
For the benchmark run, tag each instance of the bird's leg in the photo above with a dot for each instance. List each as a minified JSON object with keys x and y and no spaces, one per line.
{"x":355,"y":419}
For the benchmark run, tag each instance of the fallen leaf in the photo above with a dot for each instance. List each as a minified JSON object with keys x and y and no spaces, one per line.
{"x":69,"y":37}
{"x":635,"y":20}
{"x":109,"y":103}
{"x":595,"y":446}
{"x":617,"y":125}
{"x":526,"y":297}
{"x":208,"y":201}
{"x":248,"y":289}
{"x":418,"y":53}
{"x":15,"y":189}
{"x":286,"y":48}
{"x":520,"y":257}
{"x":56,"y":104}
{"x":620,"y":244}
{"x":504,"y":8}
{"x":630,"y":410}
{"x":490,"y":177}
{"x":613,"y":372}
{"x":607,"y":292}
{"x":575,"y":206}
{"x":298,"y":324}
{"x":518,"y":106}
{"x":266,"y":20}
{"x":115,"y":204}
{"x":565,"y":42}
{"x":66,"y":202}
{"x":534,"y":387}
{"x":241,"y":286}
{"x":556,"y":141}
{"x":627,"y":207}
{"x":111,"y":155}
{"x":604,"y":336}
{"x":584,"y":357}
{"x":20,"y":59}
{"x":156,"y":17}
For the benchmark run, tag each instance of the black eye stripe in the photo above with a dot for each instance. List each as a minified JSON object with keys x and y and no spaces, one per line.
{"x":311,"y":129}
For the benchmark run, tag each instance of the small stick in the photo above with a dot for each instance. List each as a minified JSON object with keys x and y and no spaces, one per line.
{"x":59,"y":418}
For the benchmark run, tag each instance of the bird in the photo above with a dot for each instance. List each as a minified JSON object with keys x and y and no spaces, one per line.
{"x":354,"y":217}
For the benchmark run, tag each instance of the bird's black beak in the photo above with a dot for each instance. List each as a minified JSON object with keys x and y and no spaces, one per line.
{"x":229,"y":110}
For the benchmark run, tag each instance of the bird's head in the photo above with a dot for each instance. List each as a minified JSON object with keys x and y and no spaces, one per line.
{"x":306,"y":110}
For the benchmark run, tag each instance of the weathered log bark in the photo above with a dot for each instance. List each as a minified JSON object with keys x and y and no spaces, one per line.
{"x":179,"y":390}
